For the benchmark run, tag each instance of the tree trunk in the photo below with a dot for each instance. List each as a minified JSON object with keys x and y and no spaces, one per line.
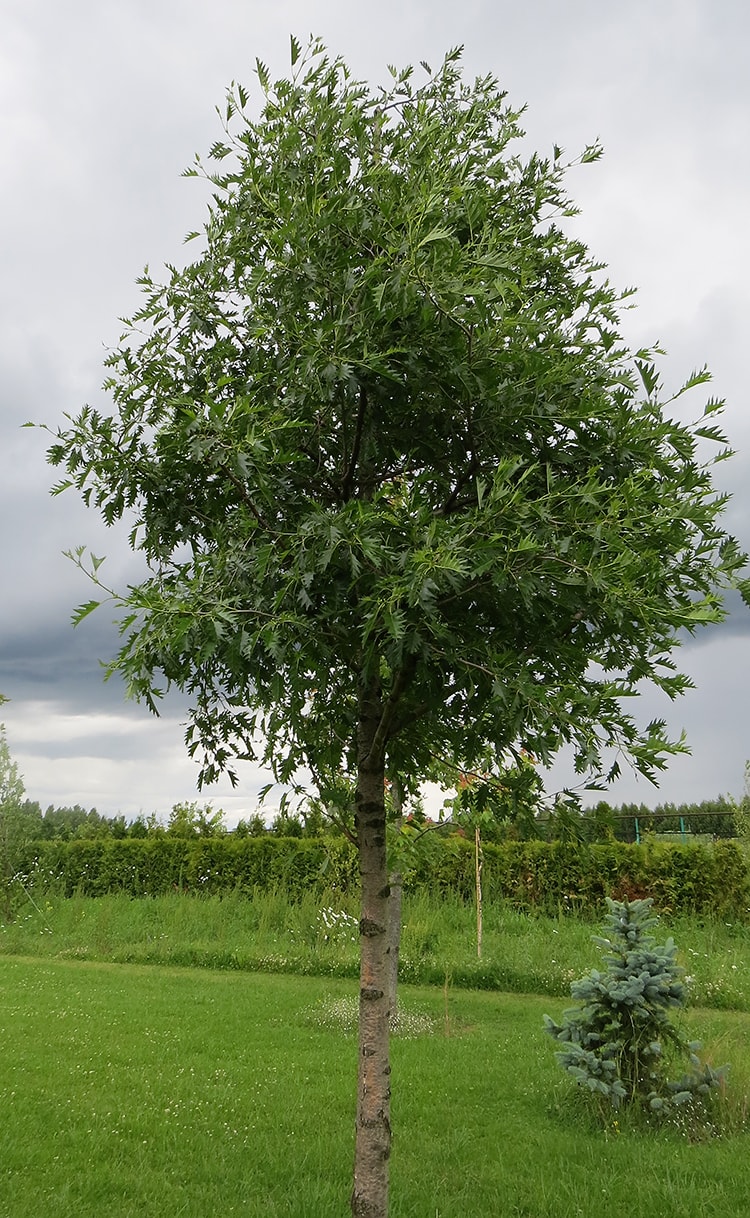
{"x":395,"y":884}
{"x":478,"y":880}
{"x":394,"y":941}
{"x":6,"y":869}
{"x":373,"y":1128}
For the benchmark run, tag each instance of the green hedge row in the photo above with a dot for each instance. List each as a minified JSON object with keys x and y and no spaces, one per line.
{"x":557,"y":876}
{"x":548,"y":877}
{"x":155,"y":866}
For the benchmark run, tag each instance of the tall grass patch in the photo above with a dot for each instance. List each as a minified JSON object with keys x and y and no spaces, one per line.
{"x":271,"y":931}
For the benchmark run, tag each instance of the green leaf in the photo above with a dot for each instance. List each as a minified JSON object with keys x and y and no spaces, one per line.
{"x":379,"y":293}
{"x":84,"y":610}
{"x":64,"y":485}
{"x":592,"y":152}
{"x":714,"y":406}
{"x":700,"y":377}
{"x":263,"y":75}
{"x":435,"y":234}
{"x":649,"y":376}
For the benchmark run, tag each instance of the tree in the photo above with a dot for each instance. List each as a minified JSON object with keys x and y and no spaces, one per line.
{"x":512,"y":797}
{"x":620,"y":1041}
{"x":15,"y":826}
{"x":402,"y":491}
{"x":191,"y":819}
{"x":73,"y":822}
{"x":254,"y":827}
{"x":285,"y":824}
{"x":741,"y":810}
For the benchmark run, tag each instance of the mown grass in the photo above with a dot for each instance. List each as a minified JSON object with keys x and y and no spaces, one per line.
{"x":317,"y":936}
{"x":166,"y":1093}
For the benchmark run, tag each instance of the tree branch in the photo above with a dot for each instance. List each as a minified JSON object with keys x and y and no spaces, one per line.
{"x":452,"y":500}
{"x":239,"y":485}
{"x":348,"y":479}
{"x":401,"y":682}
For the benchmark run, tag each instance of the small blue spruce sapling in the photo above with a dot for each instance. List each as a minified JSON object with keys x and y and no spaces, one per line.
{"x":620,"y":1041}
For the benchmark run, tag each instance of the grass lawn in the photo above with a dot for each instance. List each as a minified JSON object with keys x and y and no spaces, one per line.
{"x":158,"y":1092}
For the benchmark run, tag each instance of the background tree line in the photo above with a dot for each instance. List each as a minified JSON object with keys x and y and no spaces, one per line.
{"x":721,"y":817}
{"x":515,"y":810}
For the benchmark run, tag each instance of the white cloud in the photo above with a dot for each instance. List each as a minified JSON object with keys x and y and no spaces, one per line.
{"x":118,"y":763}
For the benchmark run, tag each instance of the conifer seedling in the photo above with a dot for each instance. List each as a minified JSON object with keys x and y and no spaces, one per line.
{"x":620,"y":1041}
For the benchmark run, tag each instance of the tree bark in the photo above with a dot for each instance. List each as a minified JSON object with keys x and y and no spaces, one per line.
{"x":394,"y":941}
{"x":373,"y":1127}
{"x":478,"y":881}
{"x":395,"y":885}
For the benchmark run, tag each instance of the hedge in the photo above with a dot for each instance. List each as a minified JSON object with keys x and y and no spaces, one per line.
{"x":548,"y":877}
{"x":213,"y":865}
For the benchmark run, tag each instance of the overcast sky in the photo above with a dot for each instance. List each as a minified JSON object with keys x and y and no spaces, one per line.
{"x":104,"y":102}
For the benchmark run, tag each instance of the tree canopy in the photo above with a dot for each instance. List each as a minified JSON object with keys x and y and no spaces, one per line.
{"x":403,"y":491}
{"x":385,"y":423}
